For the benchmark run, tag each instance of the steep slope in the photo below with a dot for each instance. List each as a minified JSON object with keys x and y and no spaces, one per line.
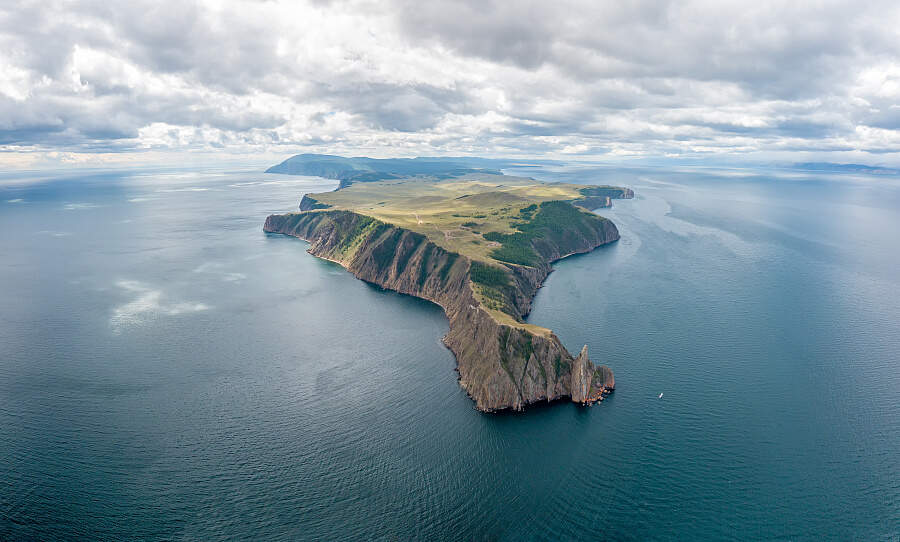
{"x":503,"y":362}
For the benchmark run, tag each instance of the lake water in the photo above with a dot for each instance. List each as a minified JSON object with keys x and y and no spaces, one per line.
{"x":170,"y":372}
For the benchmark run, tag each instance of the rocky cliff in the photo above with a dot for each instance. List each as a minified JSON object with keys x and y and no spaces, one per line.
{"x":503,"y":362}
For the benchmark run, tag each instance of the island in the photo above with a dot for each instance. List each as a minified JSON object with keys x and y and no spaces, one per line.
{"x":477,"y":243}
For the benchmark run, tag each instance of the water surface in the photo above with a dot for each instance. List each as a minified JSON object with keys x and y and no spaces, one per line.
{"x":169,"y":371}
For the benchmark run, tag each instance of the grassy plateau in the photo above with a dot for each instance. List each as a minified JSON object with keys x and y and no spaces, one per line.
{"x":494,"y":220}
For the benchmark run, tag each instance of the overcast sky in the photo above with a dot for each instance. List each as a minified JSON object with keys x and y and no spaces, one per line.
{"x":105,"y":82}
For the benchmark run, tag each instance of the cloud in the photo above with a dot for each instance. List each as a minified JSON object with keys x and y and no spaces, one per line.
{"x":148,"y":303}
{"x":218,"y":269}
{"x":83,"y":206}
{"x":638,"y":78}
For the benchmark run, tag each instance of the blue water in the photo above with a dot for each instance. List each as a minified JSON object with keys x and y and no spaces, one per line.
{"x":170,"y":372}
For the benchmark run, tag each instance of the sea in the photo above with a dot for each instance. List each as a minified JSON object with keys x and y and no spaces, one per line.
{"x":168,"y":371}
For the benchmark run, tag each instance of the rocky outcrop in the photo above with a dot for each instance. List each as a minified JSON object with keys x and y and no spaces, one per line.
{"x":590,"y":384}
{"x":582,"y":372}
{"x":603,"y":378}
{"x":309,"y":203}
{"x":502,"y":364}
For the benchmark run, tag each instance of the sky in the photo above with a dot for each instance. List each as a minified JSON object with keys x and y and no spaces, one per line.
{"x":97,"y":83}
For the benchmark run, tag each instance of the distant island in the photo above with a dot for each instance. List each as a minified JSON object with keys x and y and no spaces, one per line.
{"x":846,"y":168}
{"x":478,"y":243}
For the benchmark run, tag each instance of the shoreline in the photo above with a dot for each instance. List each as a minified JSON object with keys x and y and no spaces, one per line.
{"x":473,"y":334}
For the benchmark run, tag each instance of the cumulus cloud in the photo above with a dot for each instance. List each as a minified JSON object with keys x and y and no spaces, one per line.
{"x":397,"y":77}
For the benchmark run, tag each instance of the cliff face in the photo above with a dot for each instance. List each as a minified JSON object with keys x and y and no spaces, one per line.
{"x":309,"y":203}
{"x":501,"y":365}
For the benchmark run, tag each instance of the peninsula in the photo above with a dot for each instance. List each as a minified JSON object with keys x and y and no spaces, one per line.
{"x":475,"y":242}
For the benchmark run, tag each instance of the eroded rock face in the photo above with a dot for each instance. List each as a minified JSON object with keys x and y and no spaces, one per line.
{"x":500,"y":366}
{"x":582,"y":373}
{"x":603,"y":377}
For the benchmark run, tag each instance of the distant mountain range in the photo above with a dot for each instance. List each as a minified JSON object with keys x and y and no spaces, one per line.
{"x":846,"y":168}
{"x":349,"y":170}
{"x":362,"y":169}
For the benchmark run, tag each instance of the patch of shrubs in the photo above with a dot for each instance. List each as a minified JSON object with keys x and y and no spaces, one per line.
{"x":554,"y":221}
{"x":527,"y":212}
{"x":488,"y":275}
{"x":515,"y":248}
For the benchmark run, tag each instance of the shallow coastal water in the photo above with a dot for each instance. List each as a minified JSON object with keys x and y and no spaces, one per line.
{"x":169,"y":371}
